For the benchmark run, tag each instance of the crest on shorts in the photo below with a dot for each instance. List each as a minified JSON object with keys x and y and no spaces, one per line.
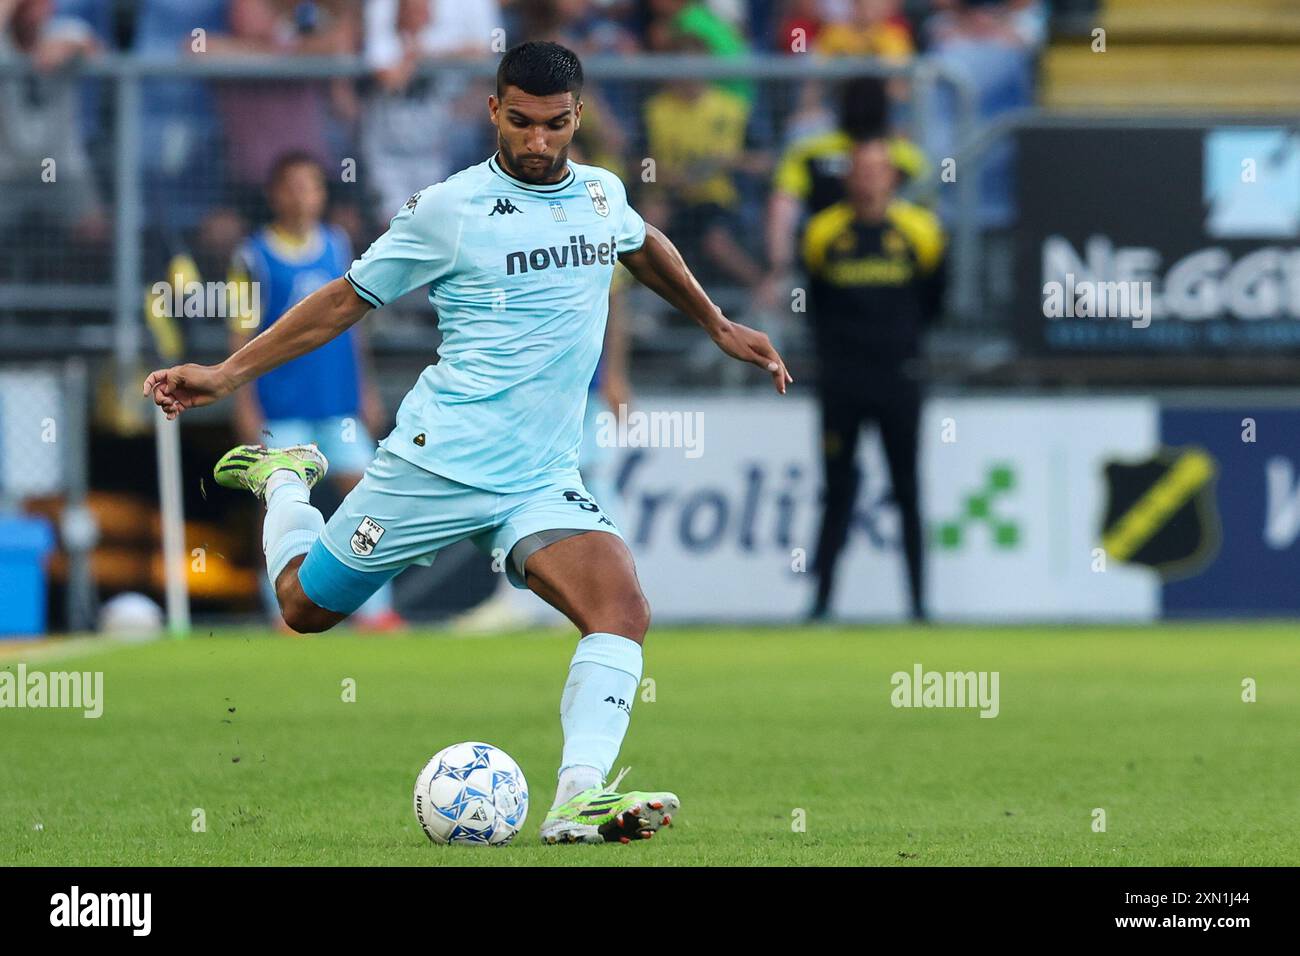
{"x":366,"y":536}
{"x":596,"y":190}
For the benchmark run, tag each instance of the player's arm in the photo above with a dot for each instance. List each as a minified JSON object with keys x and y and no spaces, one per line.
{"x":659,"y":267}
{"x":614,"y":384}
{"x":326,"y":313}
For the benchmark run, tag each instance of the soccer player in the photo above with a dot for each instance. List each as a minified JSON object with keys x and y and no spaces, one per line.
{"x":517,"y":252}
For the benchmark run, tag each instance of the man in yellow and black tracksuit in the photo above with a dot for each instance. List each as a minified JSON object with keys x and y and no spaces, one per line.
{"x":876,"y":266}
{"x":810,"y":175}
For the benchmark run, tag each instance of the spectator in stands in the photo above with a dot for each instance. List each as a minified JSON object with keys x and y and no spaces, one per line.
{"x":584,"y":26}
{"x":672,"y":19}
{"x":99,"y":17}
{"x":875,"y":28}
{"x":45,"y":172}
{"x":876,"y":269}
{"x":326,"y":396}
{"x":264,"y":119}
{"x":179,"y":132}
{"x":696,"y":135}
{"x":799,"y":27}
{"x":992,"y":44}
{"x":405,"y":122}
{"x":810,"y":176}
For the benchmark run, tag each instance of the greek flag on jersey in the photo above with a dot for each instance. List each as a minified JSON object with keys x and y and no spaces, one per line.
{"x":522,"y":295}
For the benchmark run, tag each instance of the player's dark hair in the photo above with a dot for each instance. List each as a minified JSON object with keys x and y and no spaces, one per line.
{"x":864,"y":107}
{"x":286,"y":161}
{"x":540,"y":68}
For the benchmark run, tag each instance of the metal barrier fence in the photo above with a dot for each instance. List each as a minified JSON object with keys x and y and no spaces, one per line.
{"x":44,"y":452}
{"x":177,"y":143}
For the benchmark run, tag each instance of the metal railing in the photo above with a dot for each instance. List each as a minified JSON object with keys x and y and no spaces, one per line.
{"x":126,"y":76}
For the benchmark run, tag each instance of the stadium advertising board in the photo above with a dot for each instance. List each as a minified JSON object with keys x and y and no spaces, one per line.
{"x":1015,"y":503}
{"x":1012,"y":525}
{"x":730,"y":532}
{"x":1252,"y":565}
{"x":1190,"y":244}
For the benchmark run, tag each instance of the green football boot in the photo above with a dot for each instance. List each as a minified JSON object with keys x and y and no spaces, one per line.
{"x":249,"y":466}
{"x":600,"y":815}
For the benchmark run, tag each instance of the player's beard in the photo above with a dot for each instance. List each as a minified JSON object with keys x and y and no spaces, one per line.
{"x":516,"y":168}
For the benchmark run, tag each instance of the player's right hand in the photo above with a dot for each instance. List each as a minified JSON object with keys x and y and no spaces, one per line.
{"x":186,"y":386}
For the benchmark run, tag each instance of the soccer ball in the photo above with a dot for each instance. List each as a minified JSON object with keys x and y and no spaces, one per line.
{"x":471,"y":793}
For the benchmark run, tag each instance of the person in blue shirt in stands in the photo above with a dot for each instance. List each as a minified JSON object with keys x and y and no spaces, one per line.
{"x":327,"y":395}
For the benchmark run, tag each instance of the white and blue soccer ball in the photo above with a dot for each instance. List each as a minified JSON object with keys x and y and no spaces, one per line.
{"x":471,"y":793}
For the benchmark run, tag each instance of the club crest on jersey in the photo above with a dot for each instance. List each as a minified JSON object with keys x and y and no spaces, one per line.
{"x":596,"y":190}
{"x":366,"y":536}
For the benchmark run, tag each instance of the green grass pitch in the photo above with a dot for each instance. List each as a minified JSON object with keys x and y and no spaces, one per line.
{"x":756,"y":729}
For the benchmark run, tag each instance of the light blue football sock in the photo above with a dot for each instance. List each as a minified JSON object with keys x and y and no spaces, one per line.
{"x":597,"y":703}
{"x":292,"y":525}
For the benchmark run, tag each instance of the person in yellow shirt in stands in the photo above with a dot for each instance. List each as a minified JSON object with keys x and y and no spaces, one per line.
{"x":696,"y":135}
{"x":875,"y":29}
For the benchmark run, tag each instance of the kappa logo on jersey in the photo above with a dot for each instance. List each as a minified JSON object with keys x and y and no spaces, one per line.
{"x":366,"y":536}
{"x":596,"y":190}
{"x":579,"y":252}
{"x":504,"y":207}
{"x":411,"y":203}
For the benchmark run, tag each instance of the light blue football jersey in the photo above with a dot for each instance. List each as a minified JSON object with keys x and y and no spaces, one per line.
{"x":519,"y":275}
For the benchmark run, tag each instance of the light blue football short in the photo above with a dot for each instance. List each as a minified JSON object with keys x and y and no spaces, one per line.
{"x":400,"y":514}
{"x":344,"y":440}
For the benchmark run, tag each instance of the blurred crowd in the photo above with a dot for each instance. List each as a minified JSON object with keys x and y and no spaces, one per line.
{"x":207,"y":147}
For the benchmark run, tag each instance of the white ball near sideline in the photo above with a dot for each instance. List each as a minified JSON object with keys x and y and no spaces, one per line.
{"x":131,"y":615}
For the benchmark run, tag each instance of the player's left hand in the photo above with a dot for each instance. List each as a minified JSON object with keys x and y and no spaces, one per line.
{"x":750,"y":345}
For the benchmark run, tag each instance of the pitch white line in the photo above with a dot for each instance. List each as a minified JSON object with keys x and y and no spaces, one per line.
{"x":58,"y":648}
